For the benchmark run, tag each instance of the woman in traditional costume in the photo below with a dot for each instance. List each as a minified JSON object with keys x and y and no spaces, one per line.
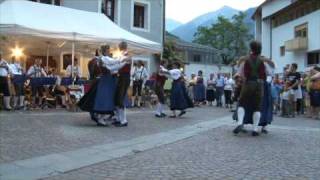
{"x":211,"y":83}
{"x":199,"y":89}
{"x":179,"y":99}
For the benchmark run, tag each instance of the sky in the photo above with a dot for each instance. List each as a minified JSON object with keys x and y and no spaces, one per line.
{"x":186,"y":10}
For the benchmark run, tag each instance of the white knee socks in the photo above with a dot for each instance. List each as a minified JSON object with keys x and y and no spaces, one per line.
{"x":256,"y":120}
{"x":159,"y":109}
{"x":123,"y":116}
{"x":240,"y":115}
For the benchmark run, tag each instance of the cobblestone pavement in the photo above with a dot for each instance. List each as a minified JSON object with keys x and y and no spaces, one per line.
{"x":217,"y":154}
{"x":29,"y":134}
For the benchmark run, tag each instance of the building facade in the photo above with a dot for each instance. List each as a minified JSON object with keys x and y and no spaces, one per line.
{"x":144,"y":18}
{"x":199,"y":57}
{"x":289,"y":31}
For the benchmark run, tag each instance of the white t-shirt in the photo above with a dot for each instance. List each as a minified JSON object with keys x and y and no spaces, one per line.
{"x":229,"y":84}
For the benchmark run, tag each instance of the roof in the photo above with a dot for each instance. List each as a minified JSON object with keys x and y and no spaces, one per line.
{"x":259,"y":8}
{"x":56,"y":22}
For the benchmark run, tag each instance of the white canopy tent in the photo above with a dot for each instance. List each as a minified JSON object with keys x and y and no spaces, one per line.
{"x":41,"y":22}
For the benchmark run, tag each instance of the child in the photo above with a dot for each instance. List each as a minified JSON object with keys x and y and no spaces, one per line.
{"x":287,"y":100}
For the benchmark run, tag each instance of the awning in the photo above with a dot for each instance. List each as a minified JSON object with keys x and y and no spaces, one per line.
{"x":55,"y":22}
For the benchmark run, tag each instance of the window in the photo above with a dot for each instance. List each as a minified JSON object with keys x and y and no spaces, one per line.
{"x":301,"y":31}
{"x":139,"y":16}
{"x":196,"y":58}
{"x":282,"y":51}
{"x":313,"y":58}
{"x":108,"y":8}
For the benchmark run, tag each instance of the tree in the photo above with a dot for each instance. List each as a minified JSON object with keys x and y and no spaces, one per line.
{"x":170,"y":52}
{"x":231,"y":37}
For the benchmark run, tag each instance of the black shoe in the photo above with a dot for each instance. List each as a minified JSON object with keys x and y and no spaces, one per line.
{"x":255,"y":133}
{"x":264,"y":131}
{"x":158,"y":116}
{"x":182,"y":113}
{"x":237,"y":129}
{"x":173,"y":116}
{"x":121,"y":125}
{"x":163,"y":115}
{"x":115,"y":122}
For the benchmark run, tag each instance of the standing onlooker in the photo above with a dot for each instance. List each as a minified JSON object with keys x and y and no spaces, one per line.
{"x":199,"y":89}
{"x":211,"y":83}
{"x":140,"y":75}
{"x":219,"y":90}
{"x":294,"y":78}
{"x":191,"y":84}
{"x":18,"y":82}
{"x":76,"y":72}
{"x":315,"y":93}
{"x":36,"y":71}
{"x":228,"y":88}
{"x":4,"y":85}
{"x":276,"y":88}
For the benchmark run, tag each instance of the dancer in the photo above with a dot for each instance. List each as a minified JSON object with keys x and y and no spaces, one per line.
{"x":160,"y":81}
{"x":179,"y":99}
{"x":253,"y":70}
{"x":122,"y":87}
{"x":99,"y":101}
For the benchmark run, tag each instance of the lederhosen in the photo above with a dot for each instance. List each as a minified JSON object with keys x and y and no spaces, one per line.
{"x":122,"y":85}
{"x":37,"y":89}
{"x":160,"y":81}
{"x":4,"y":86}
{"x":137,"y":85}
{"x":252,"y":90}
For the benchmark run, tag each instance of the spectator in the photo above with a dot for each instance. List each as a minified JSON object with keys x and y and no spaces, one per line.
{"x":228,"y":89}
{"x":293,"y":79}
{"x":76,"y":72}
{"x":219,"y":89}
{"x":211,"y":89}
{"x":199,"y":89}
{"x":140,"y":75}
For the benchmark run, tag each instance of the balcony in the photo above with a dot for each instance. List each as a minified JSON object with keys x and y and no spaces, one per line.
{"x":296,"y":44}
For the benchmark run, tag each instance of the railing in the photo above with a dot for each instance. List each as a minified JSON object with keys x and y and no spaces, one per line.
{"x":299,"y":43}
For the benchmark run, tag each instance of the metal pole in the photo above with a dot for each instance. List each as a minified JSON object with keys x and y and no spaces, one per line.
{"x":47,"y":65}
{"x":72,"y":57}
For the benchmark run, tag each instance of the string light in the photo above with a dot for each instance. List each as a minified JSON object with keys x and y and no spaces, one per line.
{"x":17,"y":52}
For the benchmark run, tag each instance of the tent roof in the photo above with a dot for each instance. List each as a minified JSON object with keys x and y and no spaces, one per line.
{"x":48,"y":21}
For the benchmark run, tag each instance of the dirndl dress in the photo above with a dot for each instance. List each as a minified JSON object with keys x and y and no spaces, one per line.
{"x":179,"y":98}
{"x":100,"y":97}
{"x":315,"y":98}
{"x":199,"y":91}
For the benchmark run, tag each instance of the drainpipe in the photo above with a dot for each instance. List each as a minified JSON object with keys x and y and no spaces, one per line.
{"x":164,"y":22}
{"x":270,"y":21}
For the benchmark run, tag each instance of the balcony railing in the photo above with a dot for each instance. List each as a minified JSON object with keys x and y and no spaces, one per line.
{"x":296,"y":44}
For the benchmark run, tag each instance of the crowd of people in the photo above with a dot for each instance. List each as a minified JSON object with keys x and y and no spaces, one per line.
{"x":254,"y":93}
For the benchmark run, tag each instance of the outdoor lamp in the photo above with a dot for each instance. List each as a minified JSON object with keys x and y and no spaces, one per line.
{"x":17,"y":52}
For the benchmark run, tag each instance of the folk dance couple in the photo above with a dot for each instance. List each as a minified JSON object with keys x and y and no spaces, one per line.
{"x":255,"y":102}
{"x":108,"y":91}
{"x":179,"y":99}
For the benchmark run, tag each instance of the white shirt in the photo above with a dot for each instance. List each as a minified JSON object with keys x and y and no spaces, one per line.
{"x":36,"y":71}
{"x":140,"y":73}
{"x":16,"y":68}
{"x":4,"y":68}
{"x":175,"y":74}
{"x":112,"y":64}
{"x":229,"y":84}
{"x":76,"y":70}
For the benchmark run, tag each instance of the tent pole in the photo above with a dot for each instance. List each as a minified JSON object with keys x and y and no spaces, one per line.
{"x":47,"y":63}
{"x":72,"y":57}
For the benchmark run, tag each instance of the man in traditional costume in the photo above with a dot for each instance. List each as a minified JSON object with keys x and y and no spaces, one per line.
{"x":99,"y":101}
{"x":122,"y":87}
{"x":160,"y":81}
{"x":5,"y":71}
{"x":179,"y":99}
{"x":253,"y":71}
{"x":140,"y":75}
{"x":18,"y":82}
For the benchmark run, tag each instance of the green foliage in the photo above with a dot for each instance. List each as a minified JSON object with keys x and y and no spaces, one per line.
{"x":231,"y":37}
{"x":171,"y":53}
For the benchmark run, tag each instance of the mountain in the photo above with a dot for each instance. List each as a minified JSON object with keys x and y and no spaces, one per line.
{"x":187,"y":30}
{"x":172,"y":24}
